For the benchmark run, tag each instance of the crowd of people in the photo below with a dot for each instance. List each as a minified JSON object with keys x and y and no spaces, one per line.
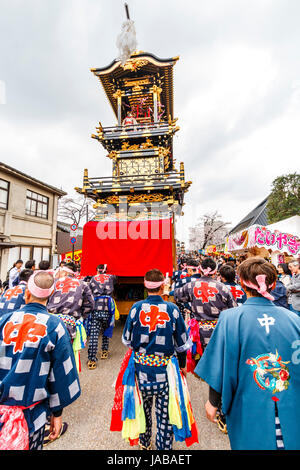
{"x":234,"y":323}
{"x":287,"y":278}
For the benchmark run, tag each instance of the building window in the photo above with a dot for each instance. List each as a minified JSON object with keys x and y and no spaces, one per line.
{"x":40,"y":254}
{"x":4,"y":192}
{"x":36,"y":205}
{"x":27,"y":253}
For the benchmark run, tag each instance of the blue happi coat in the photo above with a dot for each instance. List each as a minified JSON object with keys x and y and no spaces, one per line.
{"x":12,"y":299}
{"x":102,"y":287}
{"x":155,"y":327}
{"x":181,"y":278}
{"x":37,"y":364}
{"x":253,"y":360}
{"x":237,"y":292}
{"x":206,"y":296}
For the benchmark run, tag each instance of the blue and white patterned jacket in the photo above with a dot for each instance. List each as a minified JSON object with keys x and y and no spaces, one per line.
{"x":12,"y":299}
{"x":155,"y":327}
{"x":37,"y":364}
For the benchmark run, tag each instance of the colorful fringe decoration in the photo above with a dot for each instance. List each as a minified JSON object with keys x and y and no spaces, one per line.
{"x":79,"y":340}
{"x":114,"y":316}
{"x":87,"y":322}
{"x":134,"y":422}
{"x":180,"y":409}
{"x":116,"y":423}
{"x":117,"y":313}
{"x":196,"y":350}
{"x":128,"y":411}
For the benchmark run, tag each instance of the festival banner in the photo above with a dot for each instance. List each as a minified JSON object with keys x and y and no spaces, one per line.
{"x":276,"y":241}
{"x":69,"y":254}
{"x":262,"y":237}
{"x":210,"y":249}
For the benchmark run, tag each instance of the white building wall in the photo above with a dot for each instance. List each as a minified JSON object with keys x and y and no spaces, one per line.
{"x":32,"y":234}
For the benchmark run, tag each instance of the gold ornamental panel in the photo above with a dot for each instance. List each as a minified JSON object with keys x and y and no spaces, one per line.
{"x":135,"y":198}
{"x":134,"y":64}
{"x":138,"y":166}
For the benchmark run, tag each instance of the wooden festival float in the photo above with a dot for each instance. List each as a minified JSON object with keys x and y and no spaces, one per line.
{"x":134,"y":227}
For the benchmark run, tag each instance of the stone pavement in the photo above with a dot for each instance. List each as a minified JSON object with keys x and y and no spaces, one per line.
{"x":89,"y":416}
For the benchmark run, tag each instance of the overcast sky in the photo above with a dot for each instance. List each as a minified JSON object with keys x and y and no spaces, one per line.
{"x":236,"y":91}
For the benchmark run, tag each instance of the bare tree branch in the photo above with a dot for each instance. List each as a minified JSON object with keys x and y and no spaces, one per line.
{"x":210,"y":230}
{"x":78,"y":211}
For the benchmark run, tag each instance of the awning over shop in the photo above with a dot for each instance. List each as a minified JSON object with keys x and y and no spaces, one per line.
{"x":290,"y":225}
{"x":7,"y":244}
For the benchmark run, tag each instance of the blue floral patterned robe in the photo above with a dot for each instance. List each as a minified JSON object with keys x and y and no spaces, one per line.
{"x":253,"y":361}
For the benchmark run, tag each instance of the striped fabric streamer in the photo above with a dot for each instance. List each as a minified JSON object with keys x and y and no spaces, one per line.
{"x":133,"y":416}
{"x":79,"y":341}
{"x":279,"y":437}
{"x":180,"y":409}
{"x":196,"y":351}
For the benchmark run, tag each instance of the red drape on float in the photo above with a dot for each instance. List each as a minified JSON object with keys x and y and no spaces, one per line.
{"x":128,"y":248}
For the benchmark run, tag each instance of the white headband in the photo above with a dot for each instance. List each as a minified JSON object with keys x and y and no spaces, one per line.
{"x":38,"y":292}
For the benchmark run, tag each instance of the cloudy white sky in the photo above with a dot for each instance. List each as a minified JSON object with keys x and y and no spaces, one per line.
{"x":236,"y":91}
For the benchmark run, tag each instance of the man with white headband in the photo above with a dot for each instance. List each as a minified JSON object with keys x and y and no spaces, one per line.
{"x":102,"y":288}
{"x":72,"y":301}
{"x":189,"y":273}
{"x":71,"y":297}
{"x":155,"y":330}
{"x":252,"y":363}
{"x":38,"y":373}
{"x":207,"y":297}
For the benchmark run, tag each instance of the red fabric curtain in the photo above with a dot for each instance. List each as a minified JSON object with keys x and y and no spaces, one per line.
{"x":128,"y":248}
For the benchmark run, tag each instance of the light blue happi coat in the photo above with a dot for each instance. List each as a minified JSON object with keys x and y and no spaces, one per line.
{"x":253,"y":360}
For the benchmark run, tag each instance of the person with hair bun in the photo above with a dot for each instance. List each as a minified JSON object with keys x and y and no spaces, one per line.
{"x":252,"y":364}
{"x":284,"y":273}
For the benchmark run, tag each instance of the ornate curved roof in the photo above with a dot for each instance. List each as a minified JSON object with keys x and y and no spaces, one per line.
{"x":136,"y":77}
